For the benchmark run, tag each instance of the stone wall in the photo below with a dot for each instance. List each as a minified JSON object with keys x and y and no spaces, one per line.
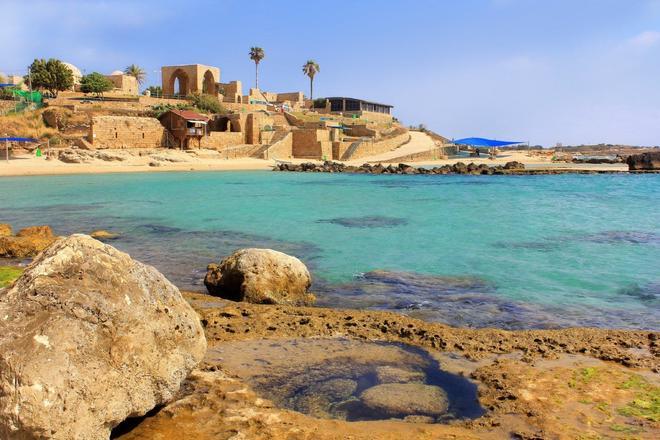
{"x":218,"y":140}
{"x":311,"y":143}
{"x":282,"y":147}
{"x":124,"y":84}
{"x":126,"y":132}
{"x":243,"y":107}
{"x":232,"y":91}
{"x":434,"y":154}
{"x":360,"y":131}
{"x":370,"y":148}
{"x":294,"y":97}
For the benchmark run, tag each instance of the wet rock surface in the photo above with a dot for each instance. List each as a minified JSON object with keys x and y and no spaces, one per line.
{"x":407,"y":399}
{"x":260,"y":276}
{"x":89,"y":337}
{"x":5,"y":230}
{"x":533,"y":384}
{"x":343,"y":379}
{"x":27,"y":242}
{"x":512,"y":167}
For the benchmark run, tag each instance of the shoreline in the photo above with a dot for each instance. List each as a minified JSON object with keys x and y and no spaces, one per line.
{"x":123,"y":161}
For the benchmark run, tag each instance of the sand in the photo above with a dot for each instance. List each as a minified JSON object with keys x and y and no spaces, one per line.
{"x":209,"y":160}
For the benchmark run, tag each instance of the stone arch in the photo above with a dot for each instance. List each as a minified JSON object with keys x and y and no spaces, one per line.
{"x":208,"y":84}
{"x":180,"y":76}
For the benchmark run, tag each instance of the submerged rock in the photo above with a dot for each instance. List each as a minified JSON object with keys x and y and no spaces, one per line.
{"x":369,"y":221}
{"x":102,"y":234}
{"x":261,"y":276}
{"x":28,"y":242}
{"x":405,"y":399}
{"x":388,"y":374}
{"x":89,"y":337}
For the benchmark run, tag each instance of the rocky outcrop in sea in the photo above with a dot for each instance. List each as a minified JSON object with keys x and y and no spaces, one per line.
{"x":27,"y":242}
{"x":645,"y":161}
{"x":458,"y":168}
{"x":260,"y":276}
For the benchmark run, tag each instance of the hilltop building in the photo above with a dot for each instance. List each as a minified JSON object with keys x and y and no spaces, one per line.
{"x":124,"y":84}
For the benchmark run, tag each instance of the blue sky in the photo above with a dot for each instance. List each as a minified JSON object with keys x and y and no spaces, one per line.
{"x":571,"y":71}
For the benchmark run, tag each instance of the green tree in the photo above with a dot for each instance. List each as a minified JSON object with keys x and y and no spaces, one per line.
{"x":256,"y":54}
{"x":311,"y":68}
{"x":136,"y":72}
{"x":155,"y":91}
{"x":52,"y":75}
{"x":95,"y":83}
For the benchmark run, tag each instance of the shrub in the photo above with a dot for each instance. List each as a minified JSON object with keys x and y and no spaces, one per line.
{"x":207,"y":103}
{"x":319,"y":103}
{"x":158,"y":109}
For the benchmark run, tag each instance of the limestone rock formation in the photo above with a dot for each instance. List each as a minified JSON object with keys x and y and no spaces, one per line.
{"x":404,"y":399}
{"x":89,"y":337}
{"x":458,"y":168}
{"x":387,"y":374}
{"x":261,"y":276}
{"x":28,"y":242}
{"x":5,"y":230}
{"x":644,"y":161}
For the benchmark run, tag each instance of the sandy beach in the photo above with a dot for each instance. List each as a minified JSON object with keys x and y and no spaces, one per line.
{"x":128,"y":161}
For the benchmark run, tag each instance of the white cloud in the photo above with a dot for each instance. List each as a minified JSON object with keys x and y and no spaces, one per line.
{"x":645,"y":39}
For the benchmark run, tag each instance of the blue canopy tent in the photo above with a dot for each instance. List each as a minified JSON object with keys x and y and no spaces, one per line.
{"x":7,"y":140}
{"x":491,"y":144}
{"x":481,"y":142}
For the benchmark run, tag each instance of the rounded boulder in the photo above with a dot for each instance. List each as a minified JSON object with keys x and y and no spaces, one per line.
{"x":260,"y":276}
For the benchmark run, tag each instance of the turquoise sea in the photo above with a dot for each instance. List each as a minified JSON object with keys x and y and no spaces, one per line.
{"x":509,"y":251}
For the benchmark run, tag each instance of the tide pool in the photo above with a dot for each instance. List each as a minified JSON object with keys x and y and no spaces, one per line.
{"x":510,"y":251}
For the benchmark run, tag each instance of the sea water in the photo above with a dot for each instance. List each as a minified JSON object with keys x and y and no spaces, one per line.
{"x":508,"y":251}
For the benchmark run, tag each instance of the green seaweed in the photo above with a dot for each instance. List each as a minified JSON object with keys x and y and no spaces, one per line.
{"x":583,"y":376}
{"x":625,"y":429}
{"x":8,"y":274}
{"x":646,"y":401}
{"x":646,"y":405}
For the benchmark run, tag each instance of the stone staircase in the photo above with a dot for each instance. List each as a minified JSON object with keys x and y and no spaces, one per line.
{"x":264,"y":151}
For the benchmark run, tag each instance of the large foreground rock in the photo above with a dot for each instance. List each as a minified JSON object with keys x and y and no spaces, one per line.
{"x":261,"y":276}
{"x":89,"y":337}
{"x":404,"y":399}
{"x":28,"y":242}
{"x":644,"y":161}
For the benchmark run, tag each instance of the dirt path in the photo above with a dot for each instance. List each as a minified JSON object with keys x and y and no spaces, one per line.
{"x":419,"y":142}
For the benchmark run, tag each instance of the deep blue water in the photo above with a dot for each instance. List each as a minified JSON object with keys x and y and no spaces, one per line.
{"x":511,"y":251}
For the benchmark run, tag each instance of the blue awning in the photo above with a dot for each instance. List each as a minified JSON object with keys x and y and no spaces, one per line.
{"x":17,"y":139}
{"x":481,"y":142}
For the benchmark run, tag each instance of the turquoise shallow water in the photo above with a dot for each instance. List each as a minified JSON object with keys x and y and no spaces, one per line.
{"x":513,"y":251}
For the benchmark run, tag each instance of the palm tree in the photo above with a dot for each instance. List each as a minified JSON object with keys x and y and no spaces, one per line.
{"x":256,"y":54}
{"x":311,"y":68}
{"x":137,"y":72}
